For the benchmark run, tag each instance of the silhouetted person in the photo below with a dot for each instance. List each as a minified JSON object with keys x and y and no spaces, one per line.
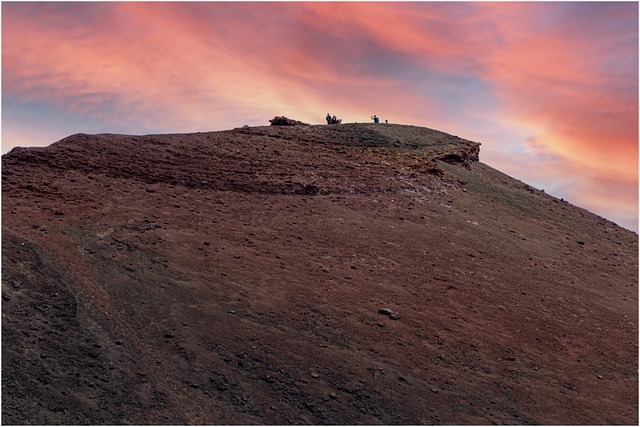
{"x":328,"y":118}
{"x":375,"y":119}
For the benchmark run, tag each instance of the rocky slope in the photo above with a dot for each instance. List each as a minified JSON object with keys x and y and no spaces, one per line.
{"x":238,"y":277}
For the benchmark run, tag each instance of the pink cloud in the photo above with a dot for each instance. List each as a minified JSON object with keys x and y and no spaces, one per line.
{"x":577,"y":84}
{"x":131,"y":64}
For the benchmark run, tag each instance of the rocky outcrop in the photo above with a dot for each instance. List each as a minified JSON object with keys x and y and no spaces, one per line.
{"x":462,"y":154}
{"x":285,"y":121}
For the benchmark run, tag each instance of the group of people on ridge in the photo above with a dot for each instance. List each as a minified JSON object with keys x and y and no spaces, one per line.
{"x":333,"y":120}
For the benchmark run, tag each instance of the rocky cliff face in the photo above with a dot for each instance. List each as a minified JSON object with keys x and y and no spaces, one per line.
{"x":238,"y":277}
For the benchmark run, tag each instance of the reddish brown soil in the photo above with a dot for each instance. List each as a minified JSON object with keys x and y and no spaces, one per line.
{"x":236,"y":278}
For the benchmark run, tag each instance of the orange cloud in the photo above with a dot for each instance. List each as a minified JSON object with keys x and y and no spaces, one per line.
{"x":576,"y":84}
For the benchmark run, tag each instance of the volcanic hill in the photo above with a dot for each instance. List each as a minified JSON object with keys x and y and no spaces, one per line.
{"x":346,"y":274}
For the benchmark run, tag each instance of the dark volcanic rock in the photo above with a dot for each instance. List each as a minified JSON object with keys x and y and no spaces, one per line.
{"x":285,"y":121}
{"x":465,"y":155}
{"x":235,"y":278}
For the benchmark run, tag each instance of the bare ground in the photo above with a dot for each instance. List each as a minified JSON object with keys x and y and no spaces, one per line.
{"x":237,"y":278}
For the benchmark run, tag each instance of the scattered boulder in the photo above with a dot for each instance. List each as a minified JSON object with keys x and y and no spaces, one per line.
{"x":388,"y":312}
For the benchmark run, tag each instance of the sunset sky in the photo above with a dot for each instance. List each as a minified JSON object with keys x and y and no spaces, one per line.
{"x":549,"y":89}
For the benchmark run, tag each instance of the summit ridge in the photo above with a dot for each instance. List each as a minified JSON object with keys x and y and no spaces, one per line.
{"x":305,"y":274}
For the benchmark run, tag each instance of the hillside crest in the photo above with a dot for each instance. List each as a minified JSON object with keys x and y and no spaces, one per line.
{"x":343,"y":274}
